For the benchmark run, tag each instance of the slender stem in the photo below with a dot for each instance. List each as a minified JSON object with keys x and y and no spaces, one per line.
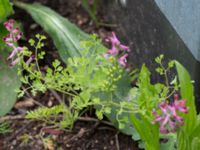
{"x":165,"y":75}
{"x":36,"y":55}
{"x":64,"y":92}
{"x":118,"y":105}
{"x":166,"y":78}
{"x":57,"y":96}
{"x":174,"y":90}
{"x":34,"y":74}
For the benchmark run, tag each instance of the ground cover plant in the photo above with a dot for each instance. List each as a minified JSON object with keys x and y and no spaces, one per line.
{"x":100,"y":77}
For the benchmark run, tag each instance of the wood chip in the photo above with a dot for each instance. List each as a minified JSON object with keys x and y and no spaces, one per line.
{"x":24,"y":104}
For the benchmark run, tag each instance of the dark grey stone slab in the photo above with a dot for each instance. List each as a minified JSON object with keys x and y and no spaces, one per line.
{"x":145,"y":27}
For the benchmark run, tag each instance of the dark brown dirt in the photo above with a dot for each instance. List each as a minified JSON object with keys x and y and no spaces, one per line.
{"x":86,"y":135}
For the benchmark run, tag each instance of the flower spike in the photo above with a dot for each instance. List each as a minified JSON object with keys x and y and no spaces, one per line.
{"x":169,"y":119}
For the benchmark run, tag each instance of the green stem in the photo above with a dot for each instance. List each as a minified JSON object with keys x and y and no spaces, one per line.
{"x":36,"y":58}
{"x":119,"y":106}
{"x":165,"y":98}
{"x":64,"y":92}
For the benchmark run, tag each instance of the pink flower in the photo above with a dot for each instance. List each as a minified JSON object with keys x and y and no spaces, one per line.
{"x":113,"y":51}
{"x":118,"y":48}
{"x":163,"y":130}
{"x":11,"y":39}
{"x":180,"y":105}
{"x":169,"y":119}
{"x":124,"y":47}
{"x":14,"y":62}
{"x":14,"y":52}
{"x":114,"y":40}
{"x":14,"y":35}
{"x":123,"y":60}
{"x":30,"y":59}
{"x":9,"y":24}
{"x":91,"y":2}
{"x":116,"y":43}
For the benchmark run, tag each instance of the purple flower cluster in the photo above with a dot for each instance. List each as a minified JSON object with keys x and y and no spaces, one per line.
{"x":10,"y":39}
{"x":91,"y":2}
{"x":118,"y":49}
{"x":169,"y":120}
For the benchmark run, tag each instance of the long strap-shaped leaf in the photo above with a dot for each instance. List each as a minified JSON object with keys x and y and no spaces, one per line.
{"x":5,"y":9}
{"x":187,"y":92}
{"x":9,"y":81}
{"x":66,"y":36}
{"x":185,"y":137}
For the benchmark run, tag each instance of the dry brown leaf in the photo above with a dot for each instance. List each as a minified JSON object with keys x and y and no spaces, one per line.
{"x":25,"y":103}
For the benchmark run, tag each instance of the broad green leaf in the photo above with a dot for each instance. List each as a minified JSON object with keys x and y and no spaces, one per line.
{"x":196,"y":131}
{"x":195,"y":144}
{"x":146,"y":131}
{"x":187,"y":92}
{"x":183,"y":141}
{"x":8,"y":77}
{"x":3,"y":32}
{"x":149,"y":93}
{"x":5,"y":9}
{"x":188,"y":137}
{"x":66,"y":36}
{"x":123,"y":93}
{"x":9,"y":83}
{"x":171,"y":141}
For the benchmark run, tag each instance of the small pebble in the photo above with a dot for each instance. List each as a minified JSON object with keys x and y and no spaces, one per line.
{"x":111,"y":142}
{"x":67,"y":145}
{"x":96,"y":141}
{"x":33,"y":26}
{"x":50,"y":103}
{"x":14,"y":142}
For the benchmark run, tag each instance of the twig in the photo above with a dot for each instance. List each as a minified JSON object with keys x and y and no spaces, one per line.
{"x":6,"y":118}
{"x":81,"y":132}
{"x":36,"y":102}
{"x":117,"y":141}
{"x":51,"y":130}
{"x":95,"y":120}
{"x":55,"y":94}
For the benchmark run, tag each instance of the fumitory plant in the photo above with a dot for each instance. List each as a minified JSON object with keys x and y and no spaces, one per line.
{"x":100,"y":77}
{"x":86,"y":78}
